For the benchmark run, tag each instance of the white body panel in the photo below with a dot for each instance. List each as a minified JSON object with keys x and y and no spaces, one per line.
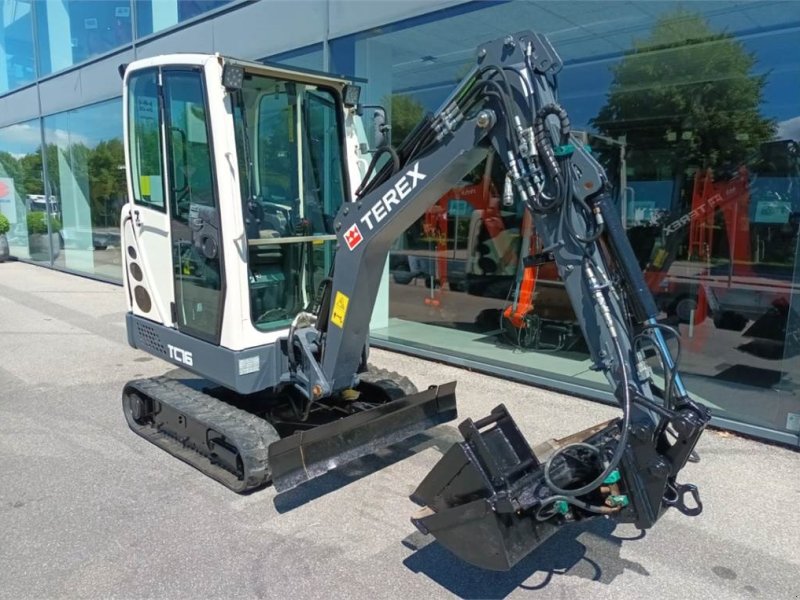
{"x":148,"y":230}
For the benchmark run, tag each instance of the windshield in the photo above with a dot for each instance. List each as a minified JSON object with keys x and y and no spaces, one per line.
{"x":288,"y":142}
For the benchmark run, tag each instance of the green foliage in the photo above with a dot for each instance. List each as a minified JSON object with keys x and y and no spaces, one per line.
{"x":37,"y":223}
{"x":9,"y":166}
{"x":98,"y":172}
{"x":32,"y":181}
{"x":4,"y":224}
{"x":106,"y":177}
{"x":406,"y":112}
{"x":686,"y":97}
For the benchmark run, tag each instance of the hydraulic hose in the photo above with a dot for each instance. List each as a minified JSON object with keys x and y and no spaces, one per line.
{"x":395,"y":167}
{"x":601,"y":510}
{"x":622,"y":443}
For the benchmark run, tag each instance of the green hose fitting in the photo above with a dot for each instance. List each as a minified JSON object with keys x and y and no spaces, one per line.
{"x":565,"y":150}
{"x":621,"y":500}
{"x":561,"y":506}
{"x":612,"y":478}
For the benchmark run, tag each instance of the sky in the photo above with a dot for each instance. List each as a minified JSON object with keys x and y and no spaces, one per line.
{"x":88,"y":125}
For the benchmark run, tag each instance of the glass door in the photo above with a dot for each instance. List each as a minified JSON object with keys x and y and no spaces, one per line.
{"x":194,"y":209}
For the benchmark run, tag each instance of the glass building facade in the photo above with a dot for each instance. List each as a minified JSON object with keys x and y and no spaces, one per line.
{"x":17,"y":66}
{"x":22,"y":197}
{"x":86,"y":176}
{"x":153,"y":16}
{"x":692,"y":108}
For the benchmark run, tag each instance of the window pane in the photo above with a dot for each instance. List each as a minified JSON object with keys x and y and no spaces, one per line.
{"x":144,"y":137}
{"x":308,"y":57}
{"x":16,"y":45}
{"x":288,"y":142}
{"x":22,"y":198}
{"x":693,"y":111}
{"x":190,"y":157}
{"x":86,"y":175}
{"x":324,"y":178}
{"x":195,"y":221}
{"x":154,"y":15}
{"x":71,"y":31}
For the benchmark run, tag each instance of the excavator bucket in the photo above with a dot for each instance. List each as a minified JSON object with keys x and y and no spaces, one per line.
{"x":473,"y":500}
{"x":455,"y":495}
{"x":308,"y":454}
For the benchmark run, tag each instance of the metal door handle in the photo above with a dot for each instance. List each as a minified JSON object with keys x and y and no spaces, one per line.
{"x":137,"y":219}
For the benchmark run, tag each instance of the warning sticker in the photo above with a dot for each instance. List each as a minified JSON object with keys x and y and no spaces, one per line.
{"x":339,"y":309}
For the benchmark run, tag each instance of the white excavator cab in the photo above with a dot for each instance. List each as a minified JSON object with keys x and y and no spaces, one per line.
{"x":236,"y":172}
{"x":260,"y":153}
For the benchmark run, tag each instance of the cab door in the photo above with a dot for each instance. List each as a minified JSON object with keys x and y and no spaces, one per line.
{"x":148,"y":276}
{"x":194,"y":217}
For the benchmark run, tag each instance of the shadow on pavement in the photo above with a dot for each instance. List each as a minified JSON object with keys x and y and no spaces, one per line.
{"x":587,"y":550}
{"x":441,"y":438}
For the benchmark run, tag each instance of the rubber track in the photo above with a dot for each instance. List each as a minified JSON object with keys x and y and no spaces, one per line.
{"x":250,"y":434}
{"x":394,"y":384}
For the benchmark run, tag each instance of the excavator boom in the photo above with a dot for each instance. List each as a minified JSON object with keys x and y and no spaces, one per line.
{"x":492,"y":499}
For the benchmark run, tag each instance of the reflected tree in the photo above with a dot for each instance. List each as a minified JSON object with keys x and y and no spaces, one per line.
{"x":10,"y":167}
{"x":99,"y":170}
{"x":406,"y":113}
{"x":107,"y":186}
{"x":687,"y":97}
{"x":30,"y":172}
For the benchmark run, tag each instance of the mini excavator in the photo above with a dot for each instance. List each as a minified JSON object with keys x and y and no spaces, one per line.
{"x":254,"y":243}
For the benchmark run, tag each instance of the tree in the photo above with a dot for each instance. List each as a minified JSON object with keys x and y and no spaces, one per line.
{"x":106,"y":181}
{"x":406,"y":113}
{"x":9,"y":166}
{"x":31,"y":173}
{"x":51,"y":156}
{"x":685,"y":97}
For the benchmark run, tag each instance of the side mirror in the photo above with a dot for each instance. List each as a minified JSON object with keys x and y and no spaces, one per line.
{"x":380,"y":130}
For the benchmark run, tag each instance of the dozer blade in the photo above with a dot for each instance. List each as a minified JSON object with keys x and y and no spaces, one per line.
{"x":303,"y":456}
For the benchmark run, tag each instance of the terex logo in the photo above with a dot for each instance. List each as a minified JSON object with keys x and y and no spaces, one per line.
{"x":353,"y":237}
{"x":400,"y":190}
{"x":180,"y":355}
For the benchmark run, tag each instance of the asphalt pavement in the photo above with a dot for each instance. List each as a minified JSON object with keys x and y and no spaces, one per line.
{"x":90,"y":510}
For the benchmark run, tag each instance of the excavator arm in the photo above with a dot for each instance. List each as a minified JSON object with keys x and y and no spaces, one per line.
{"x":492,"y":498}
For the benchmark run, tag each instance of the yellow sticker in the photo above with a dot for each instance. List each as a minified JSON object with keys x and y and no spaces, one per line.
{"x":144,"y":185}
{"x":661,"y":256}
{"x":339,"y":309}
